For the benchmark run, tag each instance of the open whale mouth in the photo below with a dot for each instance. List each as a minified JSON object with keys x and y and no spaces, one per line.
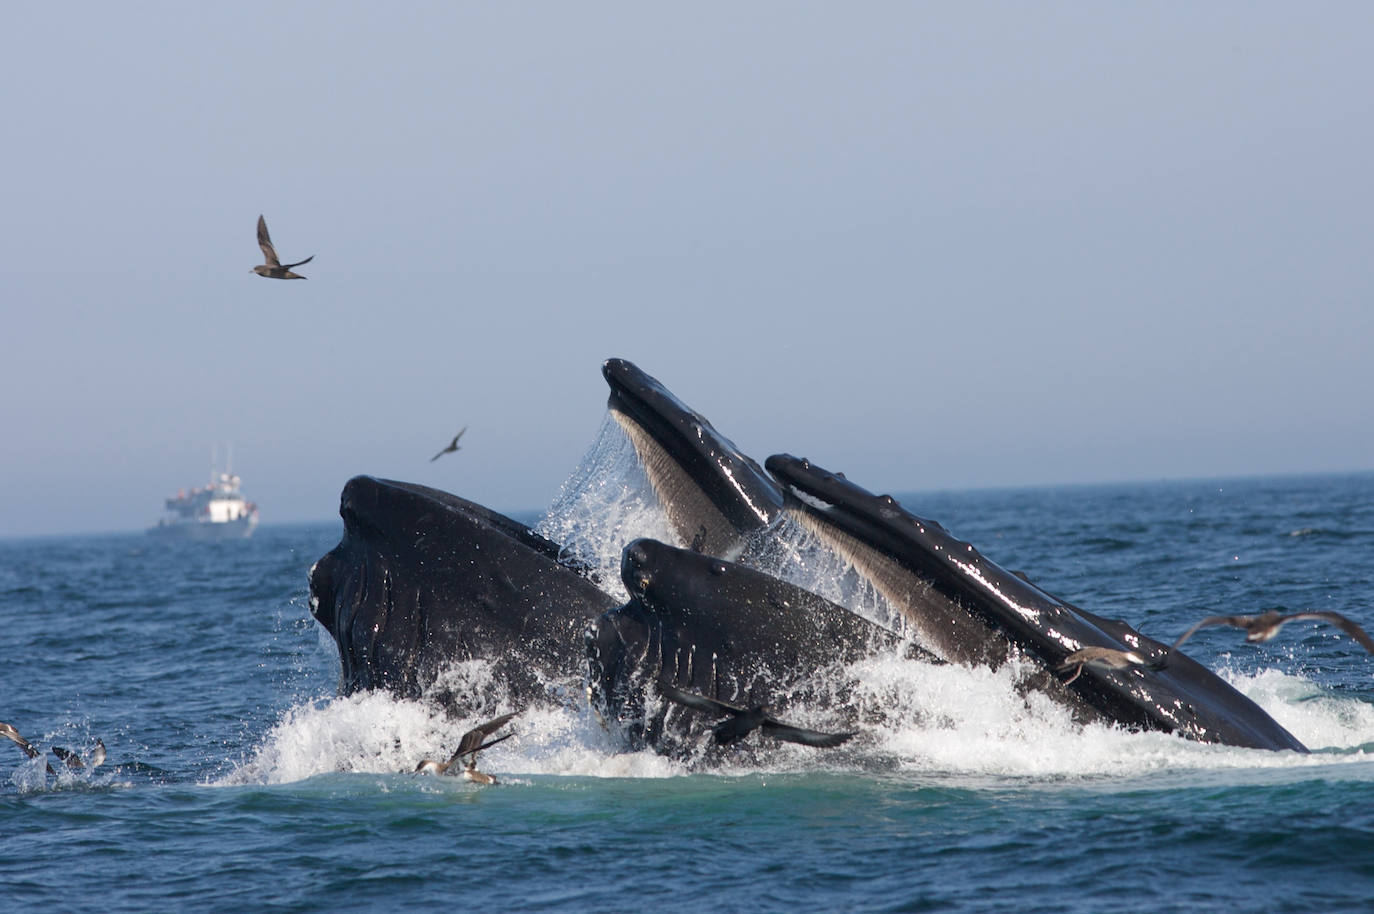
{"x":714,"y":495}
{"x":959,"y":599}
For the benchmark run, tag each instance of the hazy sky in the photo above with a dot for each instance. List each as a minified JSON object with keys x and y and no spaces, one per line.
{"x":931,"y":246}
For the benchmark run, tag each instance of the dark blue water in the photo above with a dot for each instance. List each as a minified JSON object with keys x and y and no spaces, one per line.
{"x":236,"y":781}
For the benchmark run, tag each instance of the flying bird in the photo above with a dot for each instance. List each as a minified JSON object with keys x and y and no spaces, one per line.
{"x":471,"y":744}
{"x":743,"y":721}
{"x":274,"y":268}
{"x":1104,"y":658}
{"x":1266,"y":625}
{"x":452,"y":446}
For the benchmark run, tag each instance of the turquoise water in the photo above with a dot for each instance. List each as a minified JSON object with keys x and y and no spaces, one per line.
{"x":235,"y":779}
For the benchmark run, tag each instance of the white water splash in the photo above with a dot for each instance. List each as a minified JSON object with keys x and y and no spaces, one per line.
{"x":949,"y":722}
{"x":377,"y":733}
{"x":957,"y":720}
{"x":604,"y":504}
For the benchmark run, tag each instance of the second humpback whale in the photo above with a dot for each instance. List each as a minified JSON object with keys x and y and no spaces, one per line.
{"x":721,"y":630}
{"x":968,"y":608}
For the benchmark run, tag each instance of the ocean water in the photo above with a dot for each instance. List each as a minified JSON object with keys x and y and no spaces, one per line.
{"x":237,"y":780}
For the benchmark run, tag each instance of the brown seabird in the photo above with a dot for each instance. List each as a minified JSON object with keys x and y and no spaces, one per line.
{"x":470,"y":745}
{"x":1104,"y":658}
{"x":274,"y":268}
{"x":452,"y":446}
{"x":1266,"y":625}
{"x":743,"y":721}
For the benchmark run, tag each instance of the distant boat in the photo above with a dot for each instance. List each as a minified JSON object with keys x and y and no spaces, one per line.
{"x":217,"y":511}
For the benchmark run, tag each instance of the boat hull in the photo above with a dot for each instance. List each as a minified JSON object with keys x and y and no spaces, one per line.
{"x":240,"y":528}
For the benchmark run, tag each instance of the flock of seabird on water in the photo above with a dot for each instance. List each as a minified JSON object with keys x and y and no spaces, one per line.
{"x":738,"y":722}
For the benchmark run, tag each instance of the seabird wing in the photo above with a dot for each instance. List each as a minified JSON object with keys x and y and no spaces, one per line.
{"x":489,"y":743}
{"x":472,"y":740}
{"x":13,"y":734}
{"x":288,"y":266}
{"x":71,"y":758}
{"x":698,"y":702}
{"x":1236,"y":621}
{"x":788,"y":733}
{"x":265,"y":242}
{"x":1348,"y":626}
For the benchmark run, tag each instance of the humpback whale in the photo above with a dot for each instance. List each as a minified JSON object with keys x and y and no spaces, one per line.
{"x":965,"y":607}
{"x":719,"y":629}
{"x":422,"y":579}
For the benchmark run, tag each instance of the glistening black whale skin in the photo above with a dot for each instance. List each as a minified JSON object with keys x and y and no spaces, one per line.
{"x":968,"y":608}
{"x":713,"y":628}
{"x":422,"y":579}
{"x":715,"y":496}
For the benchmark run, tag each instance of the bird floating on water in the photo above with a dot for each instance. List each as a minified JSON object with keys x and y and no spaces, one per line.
{"x":452,"y":445}
{"x":469,"y":746}
{"x":274,"y":268}
{"x":743,"y":721}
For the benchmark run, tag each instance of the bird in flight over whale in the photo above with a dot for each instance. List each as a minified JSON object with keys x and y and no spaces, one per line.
{"x":451,"y":447}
